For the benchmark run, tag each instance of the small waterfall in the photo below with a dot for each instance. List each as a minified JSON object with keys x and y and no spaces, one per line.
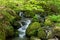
{"x":21,"y":14}
{"x":22,"y":30}
{"x":24,"y":24}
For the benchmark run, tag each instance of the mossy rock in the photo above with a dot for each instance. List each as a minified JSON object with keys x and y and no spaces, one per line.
{"x":50,"y":35}
{"x":56,"y":31}
{"x":34,"y":38}
{"x":48,"y":22}
{"x":32,"y":29}
{"x":41,"y":33}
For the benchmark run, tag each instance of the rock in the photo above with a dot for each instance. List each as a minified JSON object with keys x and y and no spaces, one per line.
{"x":53,"y":39}
{"x":56,"y":31}
{"x":32,"y":29}
{"x":34,"y":38}
{"x":35,"y":29}
{"x":49,"y":35}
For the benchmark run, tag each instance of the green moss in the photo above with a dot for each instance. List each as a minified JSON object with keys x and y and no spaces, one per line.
{"x":6,"y":28}
{"x":52,"y":20}
{"x":41,"y":33}
{"x":2,"y":36}
{"x":2,"y":33}
{"x":34,"y":38}
{"x":35,"y":30}
{"x":48,"y":22}
{"x":32,"y":29}
{"x":6,"y":17}
{"x":16,"y":33}
{"x":9,"y":31}
{"x":36,"y":18}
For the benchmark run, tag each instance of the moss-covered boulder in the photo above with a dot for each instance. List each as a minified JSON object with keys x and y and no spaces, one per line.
{"x":32,"y":29}
{"x":48,"y":22}
{"x":41,"y":33}
{"x":56,"y":31}
{"x":35,"y":29}
{"x":50,"y":35}
{"x":54,"y":39}
{"x":34,"y":38}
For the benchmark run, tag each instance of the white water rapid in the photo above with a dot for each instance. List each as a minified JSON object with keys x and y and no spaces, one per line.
{"x":22,"y":30}
{"x":24,"y":26}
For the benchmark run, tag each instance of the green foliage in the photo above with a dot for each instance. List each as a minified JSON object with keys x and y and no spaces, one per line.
{"x":55,"y":18}
{"x":2,"y":33}
{"x":32,"y":5}
{"x":6,"y":17}
{"x":57,"y":24}
{"x":29,"y":14}
{"x":57,"y":3}
{"x":36,"y":18}
{"x":9,"y":31}
{"x":6,"y":29}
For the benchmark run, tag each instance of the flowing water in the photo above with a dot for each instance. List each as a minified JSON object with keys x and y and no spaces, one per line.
{"x":22,"y":30}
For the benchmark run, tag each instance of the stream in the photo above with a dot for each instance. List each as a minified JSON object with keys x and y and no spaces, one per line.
{"x":22,"y":30}
{"x":24,"y":22}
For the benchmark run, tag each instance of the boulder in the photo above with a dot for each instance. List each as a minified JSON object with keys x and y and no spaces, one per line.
{"x":41,"y":33}
{"x":32,"y":29}
{"x":34,"y":38}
